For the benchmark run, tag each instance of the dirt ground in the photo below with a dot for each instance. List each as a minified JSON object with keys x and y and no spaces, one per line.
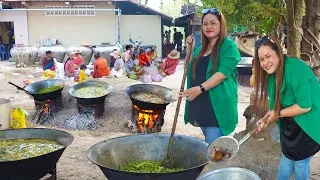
{"x":259,"y":154}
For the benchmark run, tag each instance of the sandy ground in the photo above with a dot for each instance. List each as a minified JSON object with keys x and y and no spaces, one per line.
{"x":259,"y":154}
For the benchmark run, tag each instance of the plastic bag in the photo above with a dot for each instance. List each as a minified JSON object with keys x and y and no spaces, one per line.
{"x":18,"y":118}
{"x":59,"y":69}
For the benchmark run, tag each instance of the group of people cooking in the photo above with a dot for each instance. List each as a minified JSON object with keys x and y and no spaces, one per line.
{"x":143,"y":65}
{"x":288,"y":83}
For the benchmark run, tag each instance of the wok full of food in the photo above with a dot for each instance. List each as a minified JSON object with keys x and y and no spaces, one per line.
{"x":149,"y":97}
{"x":18,"y":149}
{"x":90,"y":92}
{"x":49,"y":89}
{"x":148,"y":167}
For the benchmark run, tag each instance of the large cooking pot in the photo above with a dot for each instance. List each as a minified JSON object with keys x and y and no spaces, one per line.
{"x":233,"y":173}
{"x":5,"y":112}
{"x":86,"y":52}
{"x":34,"y":88}
{"x":150,"y":88}
{"x":24,"y":56}
{"x":187,"y":152}
{"x":58,"y":52}
{"x":91,"y":101}
{"x":35,"y":167}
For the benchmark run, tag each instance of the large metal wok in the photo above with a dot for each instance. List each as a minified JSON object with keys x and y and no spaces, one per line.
{"x":150,"y":88}
{"x":36,"y":167}
{"x":34,"y":88}
{"x":91,"y":101}
{"x":187,"y":152}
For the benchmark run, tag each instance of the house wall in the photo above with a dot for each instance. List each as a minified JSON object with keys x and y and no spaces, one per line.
{"x":19,"y":20}
{"x":148,"y":27}
{"x":73,"y":30}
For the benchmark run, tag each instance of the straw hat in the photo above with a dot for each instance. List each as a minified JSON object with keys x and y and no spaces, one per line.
{"x":115,"y":54}
{"x":174,"y":54}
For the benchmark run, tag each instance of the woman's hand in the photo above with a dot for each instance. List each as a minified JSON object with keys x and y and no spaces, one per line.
{"x":191,"y":93}
{"x":272,"y":117}
{"x":190,"y":39}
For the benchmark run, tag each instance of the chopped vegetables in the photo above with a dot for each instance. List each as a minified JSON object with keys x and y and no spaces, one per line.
{"x":149,"y":97}
{"x":49,"y":89}
{"x":90,"y":92}
{"x":17,"y":149}
{"x":148,"y":167}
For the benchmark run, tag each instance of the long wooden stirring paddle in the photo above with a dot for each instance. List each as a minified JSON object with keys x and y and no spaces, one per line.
{"x":168,"y":162}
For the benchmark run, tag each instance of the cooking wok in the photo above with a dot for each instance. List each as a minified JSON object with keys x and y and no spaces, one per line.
{"x":187,"y":152}
{"x":35,"y":167}
{"x":34,"y":88}
{"x":91,"y":101}
{"x":150,"y":88}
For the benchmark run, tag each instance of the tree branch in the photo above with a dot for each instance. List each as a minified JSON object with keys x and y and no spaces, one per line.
{"x":315,"y":41}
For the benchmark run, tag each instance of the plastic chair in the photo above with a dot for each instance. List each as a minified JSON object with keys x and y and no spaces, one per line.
{"x":10,"y":46}
{"x":3,"y":52}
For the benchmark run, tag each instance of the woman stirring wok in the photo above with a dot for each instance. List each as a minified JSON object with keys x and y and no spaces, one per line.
{"x":211,"y":79}
{"x":294,"y":96}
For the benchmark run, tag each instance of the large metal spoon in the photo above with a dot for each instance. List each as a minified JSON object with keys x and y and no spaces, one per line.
{"x":229,"y":145}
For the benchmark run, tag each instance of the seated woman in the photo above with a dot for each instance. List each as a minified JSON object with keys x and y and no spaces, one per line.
{"x":118,"y":69}
{"x":48,"y":62}
{"x":112,"y":58}
{"x":170,"y":64}
{"x":144,"y":59}
{"x":100,"y":66}
{"x":78,"y":61}
{"x":69,"y":70}
{"x":152,"y":54}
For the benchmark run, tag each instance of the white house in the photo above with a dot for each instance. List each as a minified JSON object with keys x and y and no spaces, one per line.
{"x":75,"y":22}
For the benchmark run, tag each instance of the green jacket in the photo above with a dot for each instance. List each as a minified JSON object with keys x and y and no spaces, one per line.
{"x":224,"y":97}
{"x":299,"y":86}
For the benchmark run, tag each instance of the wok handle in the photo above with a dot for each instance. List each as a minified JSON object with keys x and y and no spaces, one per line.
{"x":20,"y":88}
{"x":187,"y":59}
{"x":252,"y":132}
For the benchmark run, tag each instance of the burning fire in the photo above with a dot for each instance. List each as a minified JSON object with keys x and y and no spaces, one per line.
{"x":146,"y":119}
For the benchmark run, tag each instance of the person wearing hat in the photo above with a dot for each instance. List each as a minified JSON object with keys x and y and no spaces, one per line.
{"x":78,"y":61}
{"x":69,"y":70}
{"x":100,"y":66}
{"x":170,"y":64}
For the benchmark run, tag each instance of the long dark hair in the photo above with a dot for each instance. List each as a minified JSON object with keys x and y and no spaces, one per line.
{"x":205,"y":42}
{"x":261,"y":77}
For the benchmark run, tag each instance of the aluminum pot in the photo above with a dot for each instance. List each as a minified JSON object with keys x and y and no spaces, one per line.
{"x":5,"y":112}
{"x":105,"y":51}
{"x":233,"y":173}
{"x":58,"y":52}
{"x":86,"y":52}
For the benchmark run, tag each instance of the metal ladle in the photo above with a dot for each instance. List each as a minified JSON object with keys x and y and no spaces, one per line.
{"x":229,"y":144}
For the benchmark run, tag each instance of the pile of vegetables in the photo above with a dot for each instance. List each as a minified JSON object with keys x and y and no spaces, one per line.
{"x":17,"y":149}
{"x":49,"y":89}
{"x":90,"y":92}
{"x":48,"y":74}
{"x":148,"y":167}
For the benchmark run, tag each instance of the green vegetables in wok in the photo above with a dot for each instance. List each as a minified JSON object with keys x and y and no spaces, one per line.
{"x":17,"y":149}
{"x":148,"y":167}
{"x":90,"y":92}
{"x":49,"y":89}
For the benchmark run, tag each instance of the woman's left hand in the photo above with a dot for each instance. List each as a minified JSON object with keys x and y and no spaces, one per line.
{"x":191,"y":93}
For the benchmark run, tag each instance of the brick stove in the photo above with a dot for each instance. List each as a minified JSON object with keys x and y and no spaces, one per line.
{"x":46,"y":109}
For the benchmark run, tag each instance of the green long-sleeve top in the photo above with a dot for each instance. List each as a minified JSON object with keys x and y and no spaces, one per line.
{"x":224,"y":96}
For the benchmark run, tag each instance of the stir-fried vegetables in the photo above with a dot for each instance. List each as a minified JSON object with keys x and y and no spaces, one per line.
{"x":149,"y":97}
{"x":148,"y":167}
{"x":17,"y":149}
{"x":90,"y":92}
{"x":49,"y":89}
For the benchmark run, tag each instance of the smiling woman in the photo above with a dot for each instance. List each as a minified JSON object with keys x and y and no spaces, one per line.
{"x":293,"y":91}
{"x":211,"y":79}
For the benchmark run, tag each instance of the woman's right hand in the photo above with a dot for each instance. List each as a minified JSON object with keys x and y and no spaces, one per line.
{"x":190,"y":39}
{"x":263,"y":122}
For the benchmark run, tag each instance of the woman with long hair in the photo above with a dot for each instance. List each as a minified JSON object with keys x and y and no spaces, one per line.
{"x":293,"y":92}
{"x":211,"y":79}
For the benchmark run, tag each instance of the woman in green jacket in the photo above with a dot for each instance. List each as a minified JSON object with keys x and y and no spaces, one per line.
{"x":211,"y":79}
{"x":294,"y":96}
